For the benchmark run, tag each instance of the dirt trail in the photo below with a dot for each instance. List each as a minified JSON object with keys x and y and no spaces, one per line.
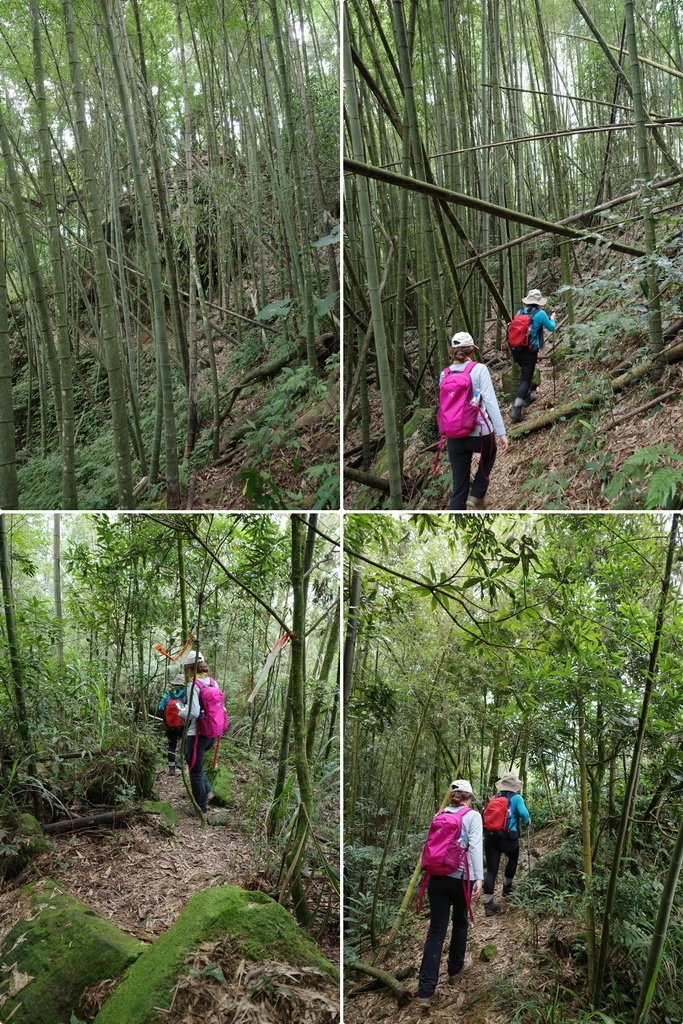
{"x":142,"y":876}
{"x":480,"y":997}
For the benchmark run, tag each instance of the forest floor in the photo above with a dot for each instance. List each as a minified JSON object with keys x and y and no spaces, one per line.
{"x":526,"y":964}
{"x":141,"y":876}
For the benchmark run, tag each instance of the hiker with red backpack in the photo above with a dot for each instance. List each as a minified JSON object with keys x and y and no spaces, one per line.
{"x":504,"y":815}
{"x":453,"y":863}
{"x":469,"y":418}
{"x":169,"y":706}
{"x":206,"y":710}
{"x":525,"y":340}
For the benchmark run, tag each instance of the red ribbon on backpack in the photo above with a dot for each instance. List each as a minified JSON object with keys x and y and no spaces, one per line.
{"x":434,"y":471}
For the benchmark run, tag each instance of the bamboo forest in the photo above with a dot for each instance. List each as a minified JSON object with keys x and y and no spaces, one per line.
{"x":538,"y":655}
{"x":169,"y":287}
{"x":494,"y":149}
{"x":147,"y":872}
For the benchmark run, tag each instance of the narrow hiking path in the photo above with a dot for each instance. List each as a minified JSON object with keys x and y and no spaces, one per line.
{"x":141,"y":876}
{"x":521,"y":946}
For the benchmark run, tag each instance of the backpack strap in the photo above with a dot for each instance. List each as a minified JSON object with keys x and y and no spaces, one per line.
{"x":422,"y":889}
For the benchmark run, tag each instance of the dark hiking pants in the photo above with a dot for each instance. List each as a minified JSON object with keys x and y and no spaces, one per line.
{"x":495,"y":844}
{"x":201,"y":787}
{"x":460,"y":452}
{"x":526,"y":359}
{"x":446,"y":894}
{"x":173,"y":734}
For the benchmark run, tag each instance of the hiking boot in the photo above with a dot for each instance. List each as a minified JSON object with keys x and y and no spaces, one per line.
{"x":507,"y":889}
{"x":473,"y":502}
{"x":530,"y":398}
{"x":453,"y":979}
{"x":171,"y":769}
{"x":516,"y":414}
{"x":491,"y":908}
{"x":424,"y":1002}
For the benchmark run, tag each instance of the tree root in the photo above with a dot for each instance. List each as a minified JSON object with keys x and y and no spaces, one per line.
{"x":390,"y":981}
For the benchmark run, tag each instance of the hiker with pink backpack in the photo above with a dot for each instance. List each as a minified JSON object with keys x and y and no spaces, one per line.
{"x":209,"y":719}
{"x":453,"y":865}
{"x":504,"y":816}
{"x":525,"y":340}
{"x":469,"y":419}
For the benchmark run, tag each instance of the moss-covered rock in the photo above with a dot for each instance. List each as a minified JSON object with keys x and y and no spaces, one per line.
{"x":24,"y":839}
{"x":221,"y":780}
{"x":256,"y":926}
{"x":47,"y":962}
{"x":162,"y":807}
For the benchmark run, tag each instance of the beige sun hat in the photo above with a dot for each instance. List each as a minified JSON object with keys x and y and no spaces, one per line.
{"x":534,"y":298}
{"x":462,"y":786}
{"x":509,"y":781}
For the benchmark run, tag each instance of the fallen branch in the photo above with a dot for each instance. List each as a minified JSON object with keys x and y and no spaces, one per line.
{"x":670,"y":355}
{"x":372,"y":986}
{"x":402,"y":994}
{"x":379,"y":483}
{"x":56,"y":828}
{"x":641,"y":408}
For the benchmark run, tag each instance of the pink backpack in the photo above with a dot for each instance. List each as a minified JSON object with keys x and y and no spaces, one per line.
{"x":443,"y":853}
{"x":214,"y":719}
{"x":458,"y":413}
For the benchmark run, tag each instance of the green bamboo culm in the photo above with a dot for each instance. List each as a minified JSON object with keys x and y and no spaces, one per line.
{"x":9,"y":491}
{"x":142,"y":193}
{"x":105,"y":288}
{"x":365,"y":218}
{"x":68,"y":427}
{"x":656,"y":954}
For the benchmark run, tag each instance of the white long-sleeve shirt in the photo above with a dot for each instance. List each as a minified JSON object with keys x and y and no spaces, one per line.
{"x":473,"y":833}
{"x":482,"y":385}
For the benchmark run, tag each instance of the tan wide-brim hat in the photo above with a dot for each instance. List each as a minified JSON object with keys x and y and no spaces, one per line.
{"x":534,"y":298}
{"x":509,"y":781}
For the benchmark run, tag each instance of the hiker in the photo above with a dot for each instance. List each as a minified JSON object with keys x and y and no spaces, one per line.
{"x":525,"y":340}
{"x":503,"y":816}
{"x":170,"y":705}
{"x":452,"y":892}
{"x":196,"y":745}
{"x":475,"y":411}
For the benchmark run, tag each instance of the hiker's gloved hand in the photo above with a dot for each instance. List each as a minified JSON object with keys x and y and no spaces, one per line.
{"x":503,"y":443}
{"x":477,"y":889}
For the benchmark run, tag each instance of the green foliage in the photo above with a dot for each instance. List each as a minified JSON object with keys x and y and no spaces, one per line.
{"x":650,"y":478}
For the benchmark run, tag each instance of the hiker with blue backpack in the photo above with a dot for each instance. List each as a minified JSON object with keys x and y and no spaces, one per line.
{"x":453,"y":865}
{"x":469,"y":419}
{"x":525,"y":340}
{"x":504,"y":815}
{"x":208,"y":716}
{"x":169,"y":706}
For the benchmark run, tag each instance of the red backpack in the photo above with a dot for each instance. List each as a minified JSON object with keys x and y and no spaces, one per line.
{"x":458,"y":412}
{"x":495,"y":814}
{"x":519,"y":330}
{"x":171,"y":713}
{"x":444,"y":852}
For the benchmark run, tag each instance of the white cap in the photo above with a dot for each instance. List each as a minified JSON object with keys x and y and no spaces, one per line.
{"x":191,"y":657}
{"x":461,"y":339}
{"x":463,"y":786}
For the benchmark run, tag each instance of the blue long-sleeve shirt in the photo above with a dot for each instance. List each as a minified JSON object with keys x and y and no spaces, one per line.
{"x":539,"y":321}
{"x":517,"y":811}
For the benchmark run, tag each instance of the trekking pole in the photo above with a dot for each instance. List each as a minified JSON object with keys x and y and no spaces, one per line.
{"x":528,"y":848}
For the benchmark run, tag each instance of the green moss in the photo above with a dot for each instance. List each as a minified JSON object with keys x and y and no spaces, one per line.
{"x":64,"y":949}
{"x":221,"y":784}
{"x":488,"y":952}
{"x":166,"y":810}
{"x":257,"y":927}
